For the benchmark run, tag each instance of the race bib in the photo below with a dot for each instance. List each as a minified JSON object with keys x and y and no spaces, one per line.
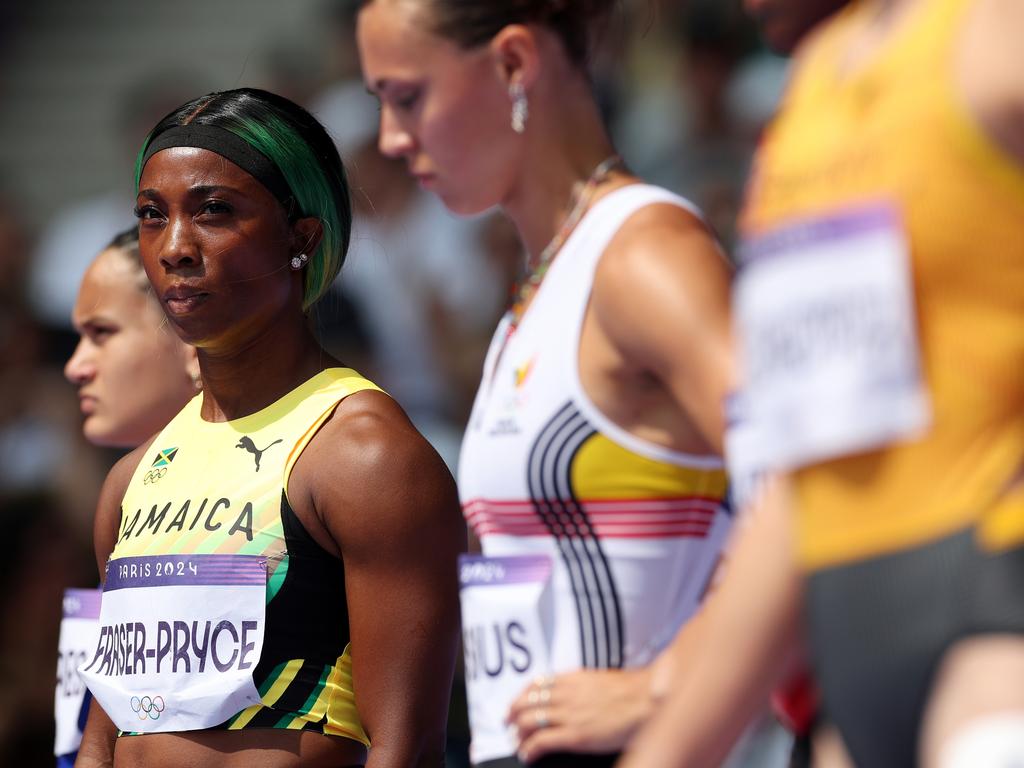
{"x":826,"y":326}
{"x":78,"y":630}
{"x":744,"y":459}
{"x":506,"y":606}
{"x":179,"y":638}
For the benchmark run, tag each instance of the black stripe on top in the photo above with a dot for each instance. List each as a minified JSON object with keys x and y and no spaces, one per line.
{"x":549,"y":480}
{"x":307,"y":619}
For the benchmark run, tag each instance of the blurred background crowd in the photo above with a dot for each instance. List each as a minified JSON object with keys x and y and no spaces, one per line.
{"x":686,"y":89}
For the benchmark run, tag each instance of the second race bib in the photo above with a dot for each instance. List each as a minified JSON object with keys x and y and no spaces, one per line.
{"x":78,"y":630}
{"x":506,"y":605}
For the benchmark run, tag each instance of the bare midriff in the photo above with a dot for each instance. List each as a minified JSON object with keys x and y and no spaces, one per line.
{"x":251,"y":748}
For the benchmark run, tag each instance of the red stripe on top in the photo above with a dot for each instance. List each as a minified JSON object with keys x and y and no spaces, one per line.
{"x":639,"y":519}
{"x":600,"y":502}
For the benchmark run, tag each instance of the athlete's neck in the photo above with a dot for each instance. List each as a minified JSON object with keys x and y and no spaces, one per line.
{"x":567,"y":140}
{"x":247,"y":378}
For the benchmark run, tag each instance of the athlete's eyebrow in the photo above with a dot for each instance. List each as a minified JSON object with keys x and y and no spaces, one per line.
{"x":200,"y":190}
{"x":386,"y":84}
{"x":85,"y":322}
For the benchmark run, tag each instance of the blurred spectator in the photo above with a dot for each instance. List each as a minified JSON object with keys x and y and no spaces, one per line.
{"x":42,"y":556}
{"x":76,"y":234}
{"x":693,"y":127}
{"x":292,"y":70}
{"x":49,"y":480}
{"x":38,"y":421}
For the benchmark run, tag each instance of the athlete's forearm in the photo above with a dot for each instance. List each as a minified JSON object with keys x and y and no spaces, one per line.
{"x":665,"y":667}
{"x":404,"y":756}
{"x":97,"y":748}
{"x":741,"y":644}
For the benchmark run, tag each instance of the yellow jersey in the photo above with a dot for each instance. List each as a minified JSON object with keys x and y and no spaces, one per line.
{"x":897,"y":129}
{"x":221,"y":488}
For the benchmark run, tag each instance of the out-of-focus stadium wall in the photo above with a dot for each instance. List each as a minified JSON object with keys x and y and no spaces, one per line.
{"x":66,"y":66}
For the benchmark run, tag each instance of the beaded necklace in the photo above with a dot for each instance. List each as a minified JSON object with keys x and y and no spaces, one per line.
{"x":537,"y":268}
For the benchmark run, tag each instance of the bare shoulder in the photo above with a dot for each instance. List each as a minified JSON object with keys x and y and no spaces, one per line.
{"x":663,"y":263}
{"x":661,"y":238}
{"x":108,"y":508}
{"x":371,"y":473}
{"x":369,"y":435}
{"x":988,"y":69}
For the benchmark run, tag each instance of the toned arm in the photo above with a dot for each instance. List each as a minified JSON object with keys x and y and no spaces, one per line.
{"x":745,"y":638}
{"x":389,"y":505}
{"x":661,"y":297}
{"x":987,"y":70}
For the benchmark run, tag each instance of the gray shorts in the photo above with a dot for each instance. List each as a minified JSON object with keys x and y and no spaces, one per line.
{"x":879,"y":629}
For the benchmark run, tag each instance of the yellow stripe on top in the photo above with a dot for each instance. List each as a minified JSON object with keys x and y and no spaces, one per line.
{"x":896,"y":131}
{"x":282,"y":682}
{"x":603,"y":469}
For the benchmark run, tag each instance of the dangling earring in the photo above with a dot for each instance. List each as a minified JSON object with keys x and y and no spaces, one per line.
{"x":520,"y":106}
{"x":298,"y":262}
{"x":197,"y":381}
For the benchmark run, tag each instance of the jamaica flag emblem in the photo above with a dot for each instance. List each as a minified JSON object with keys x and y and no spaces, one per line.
{"x":165,"y":457}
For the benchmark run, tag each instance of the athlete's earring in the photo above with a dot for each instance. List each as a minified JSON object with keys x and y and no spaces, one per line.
{"x":520,"y":106}
{"x":197,"y":381}
{"x":298,"y":262}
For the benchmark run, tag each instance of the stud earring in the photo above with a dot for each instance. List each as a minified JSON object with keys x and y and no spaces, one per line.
{"x":520,"y":107}
{"x":298,"y":262}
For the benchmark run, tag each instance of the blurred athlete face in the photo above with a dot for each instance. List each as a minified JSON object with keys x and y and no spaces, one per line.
{"x":216,"y":245}
{"x":443,"y":109}
{"x":132,"y":372}
{"x":783,"y":23}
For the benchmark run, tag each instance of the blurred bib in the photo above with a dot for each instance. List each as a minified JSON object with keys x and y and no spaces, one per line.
{"x":78,"y":630}
{"x":826,"y":324}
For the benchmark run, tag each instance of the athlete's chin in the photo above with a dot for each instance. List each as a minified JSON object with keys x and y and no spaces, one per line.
{"x":461,"y":204}
{"x":199,"y":331}
{"x":101,"y":432}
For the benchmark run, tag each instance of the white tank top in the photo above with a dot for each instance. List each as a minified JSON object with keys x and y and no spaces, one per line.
{"x":633,"y":530}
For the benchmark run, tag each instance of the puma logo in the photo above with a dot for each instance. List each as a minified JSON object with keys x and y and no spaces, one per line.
{"x":247,"y":444}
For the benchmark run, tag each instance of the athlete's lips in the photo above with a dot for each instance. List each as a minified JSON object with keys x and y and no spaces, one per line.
{"x":425,"y":180}
{"x":183,"y":298}
{"x":87,"y":404}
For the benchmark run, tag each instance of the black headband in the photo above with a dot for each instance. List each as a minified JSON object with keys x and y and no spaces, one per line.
{"x":229,"y":146}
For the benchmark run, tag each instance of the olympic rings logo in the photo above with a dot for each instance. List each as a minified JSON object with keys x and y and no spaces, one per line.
{"x":153,"y":475}
{"x":148,"y":706}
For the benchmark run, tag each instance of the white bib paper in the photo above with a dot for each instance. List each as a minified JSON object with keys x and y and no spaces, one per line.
{"x":825,"y":320}
{"x":744,"y":458}
{"x":506,"y":605}
{"x":179,"y":638}
{"x":78,"y":630}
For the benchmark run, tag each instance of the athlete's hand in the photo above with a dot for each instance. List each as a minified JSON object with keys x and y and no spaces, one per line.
{"x":591,"y":711}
